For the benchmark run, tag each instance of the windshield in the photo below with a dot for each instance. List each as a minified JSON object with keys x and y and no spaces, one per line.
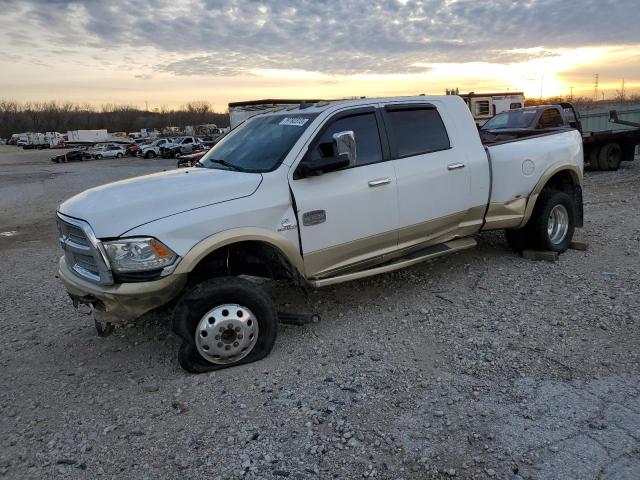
{"x":511,"y":119}
{"x":258,"y":145}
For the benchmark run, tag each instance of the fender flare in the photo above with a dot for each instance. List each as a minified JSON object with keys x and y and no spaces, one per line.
{"x":576,"y":175}
{"x":228,"y":237}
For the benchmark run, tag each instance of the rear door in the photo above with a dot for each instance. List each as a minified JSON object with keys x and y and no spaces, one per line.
{"x":433,"y":178}
{"x":348,"y":217}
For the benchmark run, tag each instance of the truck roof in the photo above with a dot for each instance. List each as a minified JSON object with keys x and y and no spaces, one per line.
{"x":336,"y":104}
{"x":271,"y":101}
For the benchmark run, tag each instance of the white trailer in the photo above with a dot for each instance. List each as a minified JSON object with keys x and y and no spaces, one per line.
{"x":87,"y":136}
{"x":484,"y":106}
{"x":241,"y":111}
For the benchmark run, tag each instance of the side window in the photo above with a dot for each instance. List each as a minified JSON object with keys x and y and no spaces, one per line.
{"x":515,"y":105}
{"x":365,"y":129}
{"x":188,"y":140}
{"x":482,"y":107}
{"x":550,"y":118}
{"x":418,"y":131}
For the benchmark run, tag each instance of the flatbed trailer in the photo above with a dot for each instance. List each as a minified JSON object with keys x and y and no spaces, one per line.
{"x":605,"y":150}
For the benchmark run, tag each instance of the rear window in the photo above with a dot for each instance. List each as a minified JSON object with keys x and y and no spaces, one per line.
{"x":550,"y":118}
{"x":417,"y":131}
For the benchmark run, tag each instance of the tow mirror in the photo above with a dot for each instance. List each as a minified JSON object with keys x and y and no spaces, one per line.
{"x":340,"y":153}
{"x":344,"y":146}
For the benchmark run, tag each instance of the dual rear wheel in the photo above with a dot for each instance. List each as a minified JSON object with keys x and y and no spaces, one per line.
{"x":550,"y":227}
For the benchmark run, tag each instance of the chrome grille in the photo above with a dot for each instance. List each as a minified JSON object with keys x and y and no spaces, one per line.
{"x":82,"y":251}
{"x":87,"y":262}
{"x":76,"y":235}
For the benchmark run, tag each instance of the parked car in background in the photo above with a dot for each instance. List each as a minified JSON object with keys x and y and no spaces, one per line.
{"x":152,"y":149}
{"x":108,"y":151}
{"x":72,"y":156}
{"x":136,"y":146}
{"x":181,"y":146}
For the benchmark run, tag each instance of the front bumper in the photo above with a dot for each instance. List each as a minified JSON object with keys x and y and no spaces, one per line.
{"x":123,"y":302}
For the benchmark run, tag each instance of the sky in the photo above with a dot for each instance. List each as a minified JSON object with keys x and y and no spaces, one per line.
{"x":157,"y":53}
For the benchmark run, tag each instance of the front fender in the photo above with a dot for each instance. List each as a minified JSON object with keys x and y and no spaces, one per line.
{"x":235,"y":235}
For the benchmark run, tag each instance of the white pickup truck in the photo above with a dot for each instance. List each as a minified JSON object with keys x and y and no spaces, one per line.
{"x":316,"y":194}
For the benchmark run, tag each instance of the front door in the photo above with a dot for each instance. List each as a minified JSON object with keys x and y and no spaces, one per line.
{"x":348,"y":217}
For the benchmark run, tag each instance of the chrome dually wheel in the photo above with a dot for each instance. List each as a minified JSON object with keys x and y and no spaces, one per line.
{"x":558,"y":224}
{"x":224,"y":322}
{"x":226,"y":334}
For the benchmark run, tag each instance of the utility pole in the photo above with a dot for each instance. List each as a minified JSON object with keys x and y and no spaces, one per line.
{"x":571,"y":95}
{"x":595,"y":87}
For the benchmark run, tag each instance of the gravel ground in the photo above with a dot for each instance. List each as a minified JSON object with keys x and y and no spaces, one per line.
{"x":478,"y":365}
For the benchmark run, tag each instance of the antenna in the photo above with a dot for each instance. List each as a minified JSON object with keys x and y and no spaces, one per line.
{"x":595,"y":86}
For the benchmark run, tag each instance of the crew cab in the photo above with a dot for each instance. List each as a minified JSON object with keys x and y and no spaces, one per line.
{"x":315,"y":194}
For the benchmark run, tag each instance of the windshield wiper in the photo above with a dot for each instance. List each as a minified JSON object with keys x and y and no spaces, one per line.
{"x":226,"y":164}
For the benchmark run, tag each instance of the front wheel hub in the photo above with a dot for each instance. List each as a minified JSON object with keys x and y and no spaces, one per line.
{"x":226,"y":334}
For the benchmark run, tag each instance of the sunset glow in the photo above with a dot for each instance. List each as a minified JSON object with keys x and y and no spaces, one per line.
{"x":85,"y":52}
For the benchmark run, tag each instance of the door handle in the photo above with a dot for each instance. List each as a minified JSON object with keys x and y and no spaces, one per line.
{"x":378,"y":182}
{"x":455,"y":166}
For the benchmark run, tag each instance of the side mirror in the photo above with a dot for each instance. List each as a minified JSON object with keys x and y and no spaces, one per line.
{"x":344,"y":146}
{"x":341,"y":154}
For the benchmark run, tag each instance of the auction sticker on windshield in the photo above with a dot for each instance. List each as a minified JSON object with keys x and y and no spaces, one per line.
{"x":294,"y":121}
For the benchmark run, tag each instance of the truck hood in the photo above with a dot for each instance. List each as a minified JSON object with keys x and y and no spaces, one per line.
{"x":115,"y":208}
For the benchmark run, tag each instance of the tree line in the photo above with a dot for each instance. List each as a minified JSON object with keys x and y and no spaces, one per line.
{"x":585,"y":103}
{"x":52,"y":116}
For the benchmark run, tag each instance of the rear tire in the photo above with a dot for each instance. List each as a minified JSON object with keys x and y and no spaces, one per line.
{"x":249,"y":311}
{"x":609,"y":157}
{"x":552,"y":222}
{"x":119,"y":155}
{"x":98,"y":157}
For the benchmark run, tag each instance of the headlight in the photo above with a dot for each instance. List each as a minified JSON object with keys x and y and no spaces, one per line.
{"x":139,"y":254}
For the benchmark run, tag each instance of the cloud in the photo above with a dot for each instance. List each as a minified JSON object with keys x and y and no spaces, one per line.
{"x":334,"y":37}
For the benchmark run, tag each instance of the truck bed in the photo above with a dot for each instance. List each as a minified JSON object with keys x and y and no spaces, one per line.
{"x":514,"y":174}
